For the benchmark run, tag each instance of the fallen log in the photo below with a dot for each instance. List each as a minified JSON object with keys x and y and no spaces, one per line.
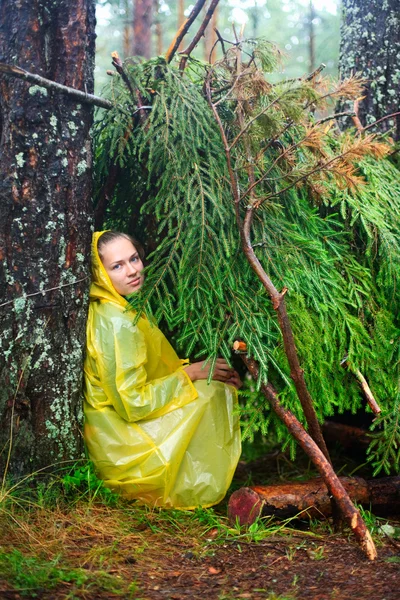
{"x":311,"y":498}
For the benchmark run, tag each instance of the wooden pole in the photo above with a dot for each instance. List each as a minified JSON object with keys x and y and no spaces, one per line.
{"x":347,"y":509}
{"x":182,"y":31}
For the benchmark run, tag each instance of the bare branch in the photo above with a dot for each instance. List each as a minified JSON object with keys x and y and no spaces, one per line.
{"x":85,"y":98}
{"x":333,"y":483}
{"x":335,"y":116}
{"x":221,"y":40}
{"x":186,"y":53}
{"x":184,"y":28}
{"x":380,"y":120}
{"x":309,"y":77}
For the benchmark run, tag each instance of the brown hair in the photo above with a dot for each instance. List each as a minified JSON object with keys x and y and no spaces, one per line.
{"x":110,"y":236}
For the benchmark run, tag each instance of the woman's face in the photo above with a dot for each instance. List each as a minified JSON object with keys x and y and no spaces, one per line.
{"x":123,"y":265}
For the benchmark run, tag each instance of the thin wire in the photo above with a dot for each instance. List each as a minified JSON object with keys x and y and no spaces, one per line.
{"x":58,"y":287}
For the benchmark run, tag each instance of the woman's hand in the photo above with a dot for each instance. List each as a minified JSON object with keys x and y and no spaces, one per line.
{"x":222,"y":372}
{"x":235,"y":380}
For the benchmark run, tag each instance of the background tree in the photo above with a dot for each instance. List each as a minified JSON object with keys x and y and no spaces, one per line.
{"x":142,"y":22}
{"x":44,"y":230}
{"x":370,"y":46}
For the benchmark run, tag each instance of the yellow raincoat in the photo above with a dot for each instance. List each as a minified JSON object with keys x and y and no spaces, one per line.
{"x":152,"y":434}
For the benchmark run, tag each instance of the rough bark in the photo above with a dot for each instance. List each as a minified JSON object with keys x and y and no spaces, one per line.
{"x":311,"y":498}
{"x":142,"y":22}
{"x":45,"y":189}
{"x":370,"y":45}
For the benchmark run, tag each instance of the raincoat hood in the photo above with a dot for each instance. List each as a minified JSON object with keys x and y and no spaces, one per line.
{"x":102,"y":289}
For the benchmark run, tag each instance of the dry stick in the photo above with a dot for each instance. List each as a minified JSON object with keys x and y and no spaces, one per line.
{"x":183,"y":29}
{"x":309,"y":77}
{"x":368,"y":395}
{"x":367,"y":392}
{"x":356,"y":120}
{"x":380,"y":120}
{"x":217,"y":41}
{"x":221,"y":40}
{"x":199,"y":34}
{"x":335,"y":116}
{"x":278,"y":302}
{"x":83,"y":97}
{"x":117,"y":63}
{"x":347,"y":508}
{"x":114,"y":171}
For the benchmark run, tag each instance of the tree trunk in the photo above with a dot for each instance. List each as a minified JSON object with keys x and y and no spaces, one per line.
{"x":128,"y":30}
{"x":181,"y":17}
{"x":311,"y":498}
{"x":45,"y":218}
{"x":311,"y":45}
{"x":158,"y":27}
{"x":370,"y":45}
{"x":142,"y":22}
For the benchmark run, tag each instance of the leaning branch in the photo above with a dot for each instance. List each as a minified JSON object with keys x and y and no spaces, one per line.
{"x":380,"y":120}
{"x":84,"y":97}
{"x":186,"y":53}
{"x":335,"y":487}
{"x":183,"y":29}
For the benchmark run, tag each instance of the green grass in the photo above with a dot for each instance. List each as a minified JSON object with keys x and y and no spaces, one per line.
{"x":66,"y":536}
{"x":30,"y":575}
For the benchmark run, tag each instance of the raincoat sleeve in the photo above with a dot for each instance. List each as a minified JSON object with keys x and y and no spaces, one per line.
{"x":121,"y":357}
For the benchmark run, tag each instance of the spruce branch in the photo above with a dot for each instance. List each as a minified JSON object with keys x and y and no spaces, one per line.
{"x":277,"y":298}
{"x":342,"y":501}
{"x":366,"y":146}
{"x":279,"y":305}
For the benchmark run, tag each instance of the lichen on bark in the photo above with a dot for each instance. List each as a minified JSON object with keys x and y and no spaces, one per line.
{"x":370,"y":46}
{"x":45,"y":230}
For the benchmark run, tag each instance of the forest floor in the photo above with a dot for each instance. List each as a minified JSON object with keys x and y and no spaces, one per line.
{"x":75,"y":541}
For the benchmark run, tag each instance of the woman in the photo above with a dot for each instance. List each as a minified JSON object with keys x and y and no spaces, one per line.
{"x":155,"y":430}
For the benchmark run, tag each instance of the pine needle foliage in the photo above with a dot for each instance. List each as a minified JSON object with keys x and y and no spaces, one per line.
{"x":326,"y":226}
